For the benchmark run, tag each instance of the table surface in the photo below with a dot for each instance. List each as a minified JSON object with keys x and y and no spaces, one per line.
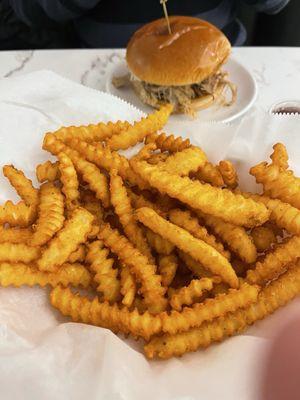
{"x":276,"y":69}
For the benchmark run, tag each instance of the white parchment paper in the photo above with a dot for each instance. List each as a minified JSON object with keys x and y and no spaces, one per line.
{"x":42,"y":356}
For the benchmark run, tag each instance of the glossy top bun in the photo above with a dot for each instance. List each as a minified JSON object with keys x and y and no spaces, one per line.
{"x":193,"y":51}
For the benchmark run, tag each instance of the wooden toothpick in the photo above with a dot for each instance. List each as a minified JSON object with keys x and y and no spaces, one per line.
{"x":163,"y":2}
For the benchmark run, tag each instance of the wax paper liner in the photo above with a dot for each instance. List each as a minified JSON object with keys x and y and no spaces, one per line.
{"x":42,"y":356}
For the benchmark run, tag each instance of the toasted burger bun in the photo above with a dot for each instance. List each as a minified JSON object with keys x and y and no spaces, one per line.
{"x":193,"y":51}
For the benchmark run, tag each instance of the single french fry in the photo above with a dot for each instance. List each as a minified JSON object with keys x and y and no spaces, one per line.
{"x":263,"y":237}
{"x":168,"y":143}
{"x":275,"y":262}
{"x":18,"y":252}
{"x":50,"y":214}
{"x":139,"y":130}
{"x":23,"y":185}
{"x":184,"y":162}
{"x":187,"y":294}
{"x":91,"y":133}
{"x":93,"y":312}
{"x":78,"y":256}
{"x":15,"y":235}
{"x":128,"y":286}
{"x":228,"y":173}
{"x":47,"y":171}
{"x":209,"y":173}
{"x":106,"y":276}
{"x":17,"y":214}
{"x":69,"y":180}
{"x":21,"y":274}
{"x":280,"y":156}
{"x":167,"y":265}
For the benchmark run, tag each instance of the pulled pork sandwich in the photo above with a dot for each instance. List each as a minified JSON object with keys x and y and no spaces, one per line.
{"x":182,"y":68}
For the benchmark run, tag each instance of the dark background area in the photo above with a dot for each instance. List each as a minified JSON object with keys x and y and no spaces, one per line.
{"x":282,"y":29}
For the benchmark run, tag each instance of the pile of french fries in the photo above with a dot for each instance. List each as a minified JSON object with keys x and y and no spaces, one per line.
{"x":163,"y":246}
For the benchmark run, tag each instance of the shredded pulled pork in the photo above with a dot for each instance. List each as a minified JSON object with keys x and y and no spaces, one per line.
{"x":187,"y":98}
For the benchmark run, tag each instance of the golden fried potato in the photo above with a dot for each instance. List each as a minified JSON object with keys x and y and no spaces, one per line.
{"x":215,"y":201}
{"x":139,"y":265}
{"x":47,"y":171}
{"x":73,"y":233}
{"x":275,"y":262}
{"x":21,"y":274}
{"x":280,"y":156}
{"x":273,"y":296}
{"x":50,"y":214}
{"x":106,"y":276}
{"x":198,"y":249}
{"x":139,"y":130}
{"x":168,"y":143}
{"x":125,"y":212}
{"x":69,"y":180}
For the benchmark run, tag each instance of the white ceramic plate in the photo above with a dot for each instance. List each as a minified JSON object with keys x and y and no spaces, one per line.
{"x":247,"y":92}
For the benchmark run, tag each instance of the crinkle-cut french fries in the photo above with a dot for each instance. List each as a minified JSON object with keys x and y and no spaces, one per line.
{"x":187,"y":294}
{"x":96,"y":180}
{"x":15,"y":235}
{"x":148,"y":240}
{"x":235,"y":237}
{"x":167,"y":266}
{"x":221,"y":203}
{"x":209,"y":173}
{"x":208,"y":310}
{"x":18,"y":252}
{"x":102,"y":314}
{"x":47,"y":171}
{"x":50,"y":214}
{"x":282,"y":214}
{"x":263,"y":238}
{"x":139,"y":130}
{"x":275,"y":295}
{"x":69,"y":180}
{"x":91,"y":133}
{"x":194,"y":266}
{"x":187,"y":221}
{"x":125,"y":212}
{"x":139,"y":266}
{"x":169,"y":143}
{"x":278,"y":183}
{"x":196,"y":248}
{"x":184,"y":162}
{"x":275,"y":262}
{"x":280,"y":156}
{"x":17,"y":214}
{"x":73,"y":233}
{"x":128,"y":286}
{"x":106,"y":277}
{"x":19,"y":274}
{"x":23,"y":185}
{"x":228,"y":173}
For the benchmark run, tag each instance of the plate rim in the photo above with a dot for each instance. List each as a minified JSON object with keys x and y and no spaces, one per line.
{"x":122,"y":61}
